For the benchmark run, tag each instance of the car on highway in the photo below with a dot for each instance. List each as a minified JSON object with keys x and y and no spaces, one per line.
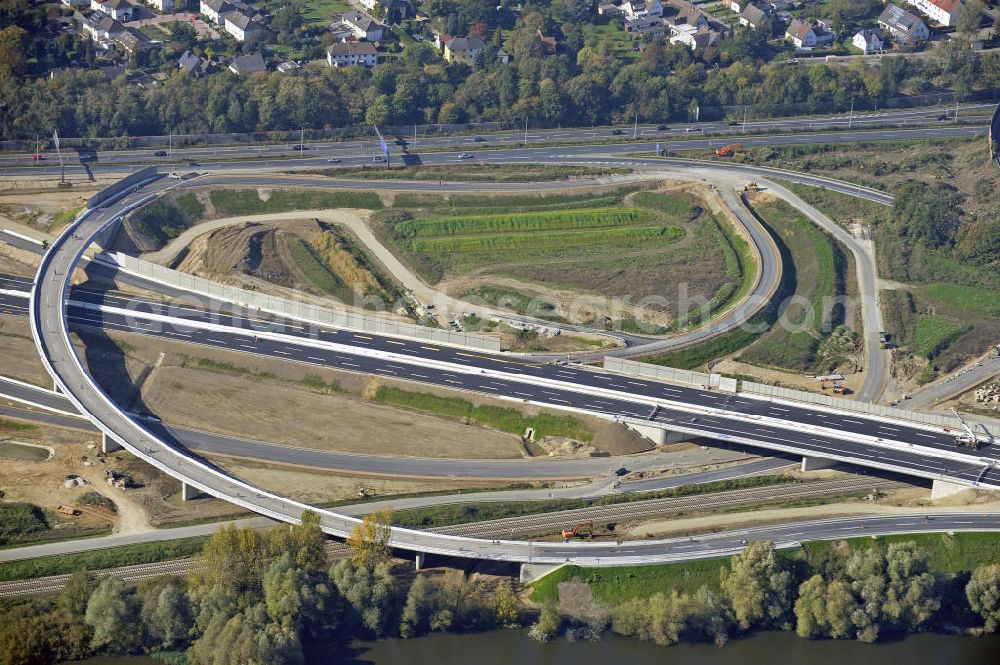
{"x":333,"y":160}
{"x":87,"y":156}
{"x":465,"y":155}
{"x":942,"y":117}
{"x":662,"y":128}
{"x":693,"y":129}
{"x":378,"y":159}
{"x":174,"y":175}
{"x":160,"y":153}
{"x":733,"y":123}
{"x":617,"y":132}
{"x":300,"y":147}
{"x":621,"y":471}
{"x":478,"y":139}
{"x":37,"y":157}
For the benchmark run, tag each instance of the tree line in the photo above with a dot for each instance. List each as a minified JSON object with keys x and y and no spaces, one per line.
{"x":269,"y":599}
{"x":863,"y":596}
{"x":586,"y":82}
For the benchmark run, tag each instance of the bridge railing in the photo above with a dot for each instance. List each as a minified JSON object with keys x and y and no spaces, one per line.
{"x":128,"y":182}
{"x":292,"y":309}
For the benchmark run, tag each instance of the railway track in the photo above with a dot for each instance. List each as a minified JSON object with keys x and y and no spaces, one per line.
{"x":624,"y":512}
{"x":509,"y":526}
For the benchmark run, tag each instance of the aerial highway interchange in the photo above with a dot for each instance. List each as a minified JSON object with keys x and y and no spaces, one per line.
{"x":911,"y":448}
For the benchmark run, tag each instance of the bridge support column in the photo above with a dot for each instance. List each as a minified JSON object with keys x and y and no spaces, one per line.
{"x":189,"y":492}
{"x":109,"y":445}
{"x":943,"y":488}
{"x":816,"y":463}
{"x":654,"y":434}
{"x":419,"y":560}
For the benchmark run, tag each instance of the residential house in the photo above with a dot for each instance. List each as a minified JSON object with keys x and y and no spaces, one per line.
{"x":686,"y":14}
{"x":364,"y":26}
{"x":503,"y":57}
{"x":213,"y":10}
{"x":393,"y":11}
{"x":753,"y":16}
{"x":119,"y":10}
{"x":288,"y":66}
{"x":245,"y":28}
{"x":103,"y":29}
{"x":549,"y":44}
{"x":869,"y":40}
{"x":604,"y":9}
{"x":906,"y":28}
{"x":735,"y":6}
{"x":464,"y":49}
{"x":692,"y":37}
{"x":944,"y":12}
{"x":133,"y":41}
{"x":651,"y":26}
{"x":779,"y":5}
{"x":247,"y":64}
{"x":349,"y":54}
{"x":341,"y":32}
{"x":162,"y":5}
{"x":635,"y":9}
{"x":76,"y":3}
{"x":194,"y":65}
{"x":807,"y":35}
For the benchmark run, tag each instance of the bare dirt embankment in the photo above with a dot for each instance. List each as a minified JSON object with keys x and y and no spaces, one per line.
{"x":305,"y":406}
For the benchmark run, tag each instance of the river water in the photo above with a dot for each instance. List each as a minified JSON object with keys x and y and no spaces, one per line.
{"x":513,"y":647}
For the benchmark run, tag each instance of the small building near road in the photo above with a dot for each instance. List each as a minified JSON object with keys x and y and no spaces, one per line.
{"x":243,"y":65}
{"x":364,"y":26}
{"x":869,"y":40}
{"x":753,"y":16}
{"x":245,"y":28}
{"x":119,"y":10}
{"x":194,"y":65}
{"x":352,"y":53}
{"x":464,"y":49}
{"x":943,"y":12}
{"x":906,"y":29}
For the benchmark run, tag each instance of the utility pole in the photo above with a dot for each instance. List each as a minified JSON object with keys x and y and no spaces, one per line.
{"x":635,"y":127}
{"x":170,"y":144}
{"x":525,"y":131}
{"x":850,"y":119}
{"x":302,"y":139}
{"x":746,"y":109}
{"x":414,"y":135}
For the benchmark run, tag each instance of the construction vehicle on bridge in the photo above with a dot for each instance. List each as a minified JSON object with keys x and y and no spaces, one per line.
{"x":728,"y":150}
{"x":578,"y":530}
{"x":970,"y":439}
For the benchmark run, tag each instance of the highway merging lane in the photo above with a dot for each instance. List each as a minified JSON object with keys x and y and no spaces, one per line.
{"x":759,"y":419}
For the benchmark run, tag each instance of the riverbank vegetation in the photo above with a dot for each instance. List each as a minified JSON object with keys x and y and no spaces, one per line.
{"x":273,"y":598}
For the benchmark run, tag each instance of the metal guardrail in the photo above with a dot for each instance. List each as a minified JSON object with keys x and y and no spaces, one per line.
{"x":291,"y":309}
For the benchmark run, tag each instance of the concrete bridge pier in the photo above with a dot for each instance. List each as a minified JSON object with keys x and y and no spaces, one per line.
{"x":109,"y":445}
{"x":189,"y":492}
{"x":658,"y":435}
{"x":816,"y":463}
{"x":419,"y":560}
{"x":943,"y":488}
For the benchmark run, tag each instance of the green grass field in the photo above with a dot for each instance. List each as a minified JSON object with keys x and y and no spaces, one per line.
{"x":556,"y":220}
{"x":949,"y":555}
{"x":501,"y":418}
{"x":248,"y":201}
{"x":935,"y":333}
{"x":969,"y":299}
{"x":818,"y":267}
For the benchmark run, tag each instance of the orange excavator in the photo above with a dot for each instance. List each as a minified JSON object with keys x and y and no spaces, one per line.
{"x":728,"y":150}
{"x":578,"y":530}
